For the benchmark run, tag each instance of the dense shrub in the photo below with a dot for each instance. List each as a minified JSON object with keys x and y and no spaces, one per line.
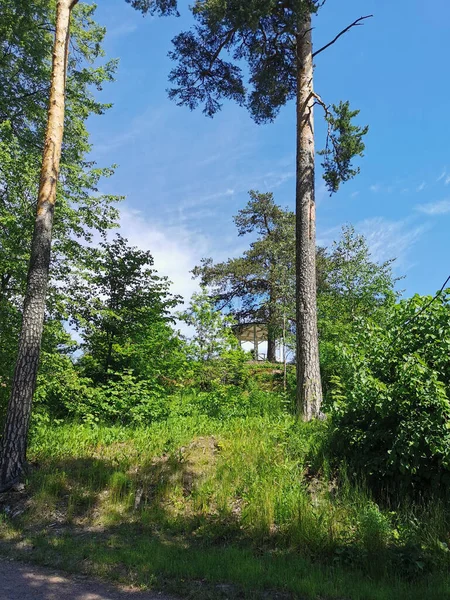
{"x":390,"y":402}
{"x":219,"y":388}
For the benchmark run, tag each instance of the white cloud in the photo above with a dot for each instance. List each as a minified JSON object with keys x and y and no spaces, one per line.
{"x":435,"y":208}
{"x":141,"y":125}
{"x":421,"y":187}
{"x":390,"y":239}
{"x":386,"y":239}
{"x":447,"y":180}
{"x":175,"y":249}
{"x":375,"y":188}
{"x":200,"y":200}
{"x":276,"y":178}
{"x":122,"y":30}
{"x":442,"y":175}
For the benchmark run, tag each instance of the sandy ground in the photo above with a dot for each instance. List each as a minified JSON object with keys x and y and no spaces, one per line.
{"x":22,"y":582}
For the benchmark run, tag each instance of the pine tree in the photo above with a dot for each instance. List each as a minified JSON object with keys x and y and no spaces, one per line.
{"x":274,"y":38}
{"x":251,"y":286}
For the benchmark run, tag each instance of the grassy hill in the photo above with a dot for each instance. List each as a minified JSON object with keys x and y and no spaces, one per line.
{"x":242,"y":507}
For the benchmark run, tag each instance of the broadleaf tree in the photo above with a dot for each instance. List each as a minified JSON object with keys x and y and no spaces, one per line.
{"x":26,"y":33}
{"x":23,"y":18}
{"x":115,"y":300}
{"x":274,"y":39}
{"x":212,"y":331}
{"x":355,"y":290}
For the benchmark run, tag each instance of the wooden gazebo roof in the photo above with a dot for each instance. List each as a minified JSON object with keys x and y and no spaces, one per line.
{"x":251,"y":332}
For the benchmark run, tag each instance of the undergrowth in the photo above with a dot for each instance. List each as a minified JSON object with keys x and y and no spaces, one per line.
{"x":247,"y":501}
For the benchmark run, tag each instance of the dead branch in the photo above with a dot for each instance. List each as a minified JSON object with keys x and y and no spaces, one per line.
{"x":354,"y":24}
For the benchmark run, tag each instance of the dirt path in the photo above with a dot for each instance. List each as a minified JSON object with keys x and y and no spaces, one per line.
{"x":23,"y":582}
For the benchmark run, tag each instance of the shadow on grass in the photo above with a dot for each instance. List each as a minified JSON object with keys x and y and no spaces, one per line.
{"x":141,"y":525}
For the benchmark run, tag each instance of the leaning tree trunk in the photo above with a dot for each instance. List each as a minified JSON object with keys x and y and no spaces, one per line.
{"x":14,"y":441}
{"x":309,"y":388}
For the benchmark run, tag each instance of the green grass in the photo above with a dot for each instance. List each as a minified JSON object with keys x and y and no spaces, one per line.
{"x":194,"y":502}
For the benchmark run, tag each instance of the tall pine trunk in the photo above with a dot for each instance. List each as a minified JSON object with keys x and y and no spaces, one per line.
{"x":271,"y":345}
{"x":14,"y":441}
{"x":309,"y":387}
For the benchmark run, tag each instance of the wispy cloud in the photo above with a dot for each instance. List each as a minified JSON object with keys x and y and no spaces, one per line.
{"x":421,"y":187}
{"x":435,"y":208}
{"x":391,"y":239}
{"x":274,"y":179}
{"x":375,"y":188}
{"x":197,"y":200}
{"x":386,"y":239}
{"x":122,"y":30}
{"x":442,"y":175}
{"x":447,"y":180}
{"x":142,"y":125}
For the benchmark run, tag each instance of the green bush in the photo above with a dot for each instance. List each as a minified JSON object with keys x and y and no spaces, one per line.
{"x":227,"y":370}
{"x":390,"y":403}
{"x":62,"y":393}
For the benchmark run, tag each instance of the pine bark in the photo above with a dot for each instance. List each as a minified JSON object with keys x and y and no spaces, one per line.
{"x":271,"y":345}
{"x":309,"y":387}
{"x":14,"y":441}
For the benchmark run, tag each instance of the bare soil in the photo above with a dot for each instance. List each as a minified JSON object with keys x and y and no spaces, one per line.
{"x":22,"y":582}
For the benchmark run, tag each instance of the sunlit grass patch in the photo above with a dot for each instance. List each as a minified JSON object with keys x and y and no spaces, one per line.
{"x":251,"y":502}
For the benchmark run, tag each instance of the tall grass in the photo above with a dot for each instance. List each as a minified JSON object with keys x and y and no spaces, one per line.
{"x":251,"y":501}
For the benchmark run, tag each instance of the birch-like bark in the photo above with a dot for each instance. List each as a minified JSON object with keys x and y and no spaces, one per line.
{"x":309,"y":387}
{"x":14,"y":441}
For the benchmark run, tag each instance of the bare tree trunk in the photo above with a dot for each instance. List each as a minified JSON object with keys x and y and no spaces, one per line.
{"x":14,"y":441}
{"x":271,"y":335}
{"x":309,"y":388}
{"x":271,"y":345}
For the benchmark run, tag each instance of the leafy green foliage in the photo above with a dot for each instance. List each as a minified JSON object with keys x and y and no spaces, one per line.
{"x":391,"y":409}
{"x":213,"y":334}
{"x":161,"y":7}
{"x":344,"y":143}
{"x":351,"y":289}
{"x":26,"y":39}
{"x":114,"y":303}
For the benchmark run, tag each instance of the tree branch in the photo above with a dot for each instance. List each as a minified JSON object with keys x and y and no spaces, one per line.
{"x":228,"y":37}
{"x":354,"y":24}
{"x":321,"y":103}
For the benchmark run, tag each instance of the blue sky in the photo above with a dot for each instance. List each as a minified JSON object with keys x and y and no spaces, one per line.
{"x":184,"y":175}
